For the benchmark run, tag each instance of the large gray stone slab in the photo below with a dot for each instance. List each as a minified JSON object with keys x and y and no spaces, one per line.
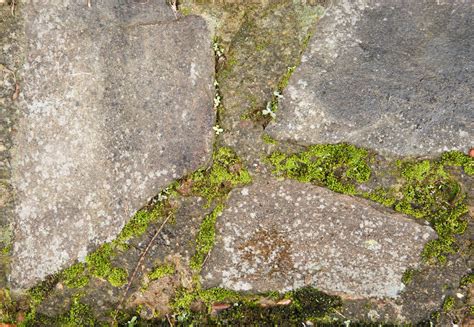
{"x":394,"y":76}
{"x":117,"y":101}
{"x":284,"y":235}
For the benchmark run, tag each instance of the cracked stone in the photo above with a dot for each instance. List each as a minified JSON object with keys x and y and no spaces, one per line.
{"x":284,"y":235}
{"x":396,"y":77}
{"x":116,"y":103}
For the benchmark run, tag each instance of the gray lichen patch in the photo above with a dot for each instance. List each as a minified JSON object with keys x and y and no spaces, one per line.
{"x":284,"y":235}
{"x":108,"y":119}
{"x":393,"y":76}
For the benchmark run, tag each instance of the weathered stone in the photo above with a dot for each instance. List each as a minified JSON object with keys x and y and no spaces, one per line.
{"x":394,"y":76}
{"x":284,"y":235}
{"x":116,"y":103}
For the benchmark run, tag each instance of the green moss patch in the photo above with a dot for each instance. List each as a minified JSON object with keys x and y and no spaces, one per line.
{"x":458,"y":159}
{"x":426,"y":191}
{"x":161,"y":271}
{"x":205,"y":238}
{"x":227,"y":172}
{"x":74,"y":276}
{"x":336,"y":166}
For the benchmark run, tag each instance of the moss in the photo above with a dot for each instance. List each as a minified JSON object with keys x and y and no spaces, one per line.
{"x":227,"y":172}
{"x":430,"y":193}
{"x":458,"y":159}
{"x":74,"y":276}
{"x":382,"y":196}
{"x":448,"y":304}
{"x":117,"y":277}
{"x":205,"y":238}
{"x":467,"y":280}
{"x":337,"y":166}
{"x":79,"y":314}
{"x":308,"y":304}
{"x":99,"y":262}
{"x":285,"y":79}
{"x":182,"y":301}
{"x":162,"y":271}
{"x":139,"y":223}
{"x":7,"y":307}
{"x":407,"y":277}
{"x":217,"y":294}
{"x":268,"y":139}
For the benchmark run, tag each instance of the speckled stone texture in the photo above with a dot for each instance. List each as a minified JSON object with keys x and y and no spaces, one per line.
{"x":393,"y":76}
{"x":117,"y":102}
{"x":284,"y":235}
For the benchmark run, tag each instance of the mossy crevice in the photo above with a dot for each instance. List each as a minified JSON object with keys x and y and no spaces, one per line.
{"x":291,"y":308}
{"x":227,"y":171}
{"x":425,"y":189}
{"x":337,"y":166}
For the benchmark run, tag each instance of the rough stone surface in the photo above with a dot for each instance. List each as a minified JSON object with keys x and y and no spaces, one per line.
{"x":284,"y":235}
{"x":394,"y":76}
{"x":116,"y":103}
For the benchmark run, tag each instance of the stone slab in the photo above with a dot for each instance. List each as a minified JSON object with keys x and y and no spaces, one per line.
{"x":393,"y":76}
{"x":117,"y":101}
{"x":278,"y":236}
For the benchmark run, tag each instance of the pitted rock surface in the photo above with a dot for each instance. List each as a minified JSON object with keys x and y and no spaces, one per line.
{"x":117,"y":101}
{"x":284,"y":235}
{"x":394,"y":76}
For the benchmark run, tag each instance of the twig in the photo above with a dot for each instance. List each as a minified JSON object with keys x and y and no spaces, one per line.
{"x":13,"y":7}
{"x":174,"y":6}
{"x":89,"y":3}
{"x":139,"y":263}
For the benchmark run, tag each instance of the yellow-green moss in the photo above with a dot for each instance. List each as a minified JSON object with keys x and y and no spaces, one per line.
{"x":285,"y":79}
{"x":448,"y":304}
{"x":430,"y":193}
{"x":337,"y":166}
{"x":162,"y":271}
{"x":117,"y":277}
{"x":268,"y":139}
{"x":99,"y":262}
{"x":205,"y":238}
{"x":467,"y":280}
{"x":74,"y":276}
{"x":408,"y":276}
{"x":458,"y":159}
{"x":139,"y":223}
{"x":227,"y":172}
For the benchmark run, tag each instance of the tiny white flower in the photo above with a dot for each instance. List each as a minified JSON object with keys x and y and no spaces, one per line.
{"x":217,"y":101}
{"x":217,"y":129}
{"x":459,"y":295}
{"x":277,"y":94}
{"x":216,"y":83}
{"x":347,"y":323}
{"x":268,"y":111}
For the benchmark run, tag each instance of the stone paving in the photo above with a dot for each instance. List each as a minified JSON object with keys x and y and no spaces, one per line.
{"x":121,"y":106}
